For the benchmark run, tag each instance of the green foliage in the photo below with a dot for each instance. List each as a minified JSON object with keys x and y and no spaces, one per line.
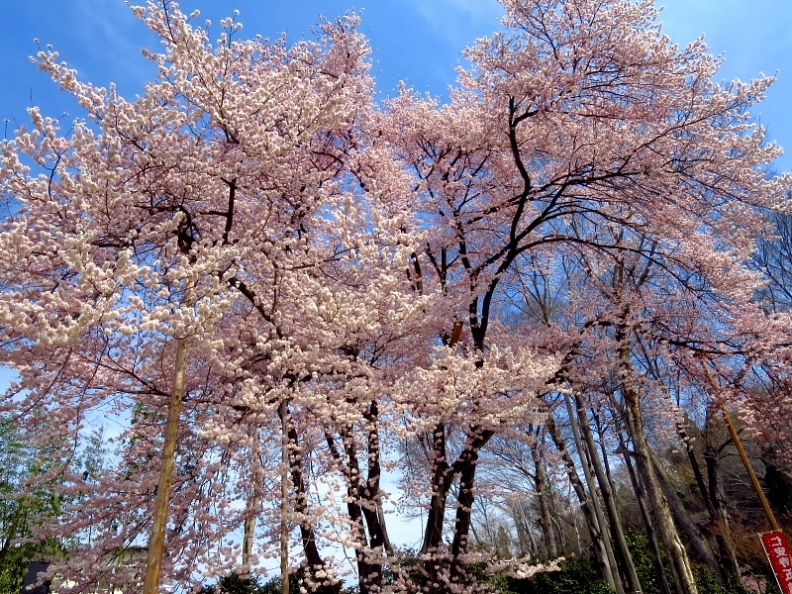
{"x":642,"y":559}
{"x":499,"y":583}
{"x":234,"y":584}
{"x":21,"y":510}
{"x":708,"y":580}
{"x":275,"y":585}
{"x":577,"y":576}
{"x":772,"y":586}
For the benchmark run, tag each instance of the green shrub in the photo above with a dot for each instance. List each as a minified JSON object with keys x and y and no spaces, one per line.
{"x":708,"y":580}
{"x":638,"y":545}
{"x":577,"y":576}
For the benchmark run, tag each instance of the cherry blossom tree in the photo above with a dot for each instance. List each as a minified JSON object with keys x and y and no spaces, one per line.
{"x":580,"y":123}
{"x":341,"y":272}
{"x":205,"y":211}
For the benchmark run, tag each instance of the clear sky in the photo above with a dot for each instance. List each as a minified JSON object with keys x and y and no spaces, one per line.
{"x":414,"y":40}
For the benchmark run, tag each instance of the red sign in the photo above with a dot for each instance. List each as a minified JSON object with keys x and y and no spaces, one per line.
{"x":777,"y":548}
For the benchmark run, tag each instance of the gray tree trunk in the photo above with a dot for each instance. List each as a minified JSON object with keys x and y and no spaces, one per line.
{"x":643,"y":506}
{"x":617,"y":531}
{"x":663,"y":520}
{"x":587,"y":504}
{"x":544,"y":493}
{"x":595,"y":495}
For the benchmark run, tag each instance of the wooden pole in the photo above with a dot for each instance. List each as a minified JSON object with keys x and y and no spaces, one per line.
{"x":744,"y":456}
{"x":156,"y":546}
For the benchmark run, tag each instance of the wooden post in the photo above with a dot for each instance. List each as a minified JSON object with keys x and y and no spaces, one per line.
{"x":156,"y":546}
{"x":744,"y":456}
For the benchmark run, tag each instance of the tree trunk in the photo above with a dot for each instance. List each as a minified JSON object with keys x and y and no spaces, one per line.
{"x":363,"y":502}
{"x":374,"y":514}
{"x":544,"y":493}
{"x":525,"y":537}
{"x":443,"y":476}
{"x":680,"y":564}
{"x":313,"y":558}
{"x":253,"y":501}
{"x":585,"y":463}
{"x":730,"y":567}
{"x":362,"y":506}
{"x":441,"y":483}
{"x":682,"y":518}
{"x":617,"y":530}
{"x":596,"y":533}
{"x":284,"y":535}
{"x":643,"y":506}
{"x":463,"y":512}
{"x":727,"y":560}
{"x":532,"y":539}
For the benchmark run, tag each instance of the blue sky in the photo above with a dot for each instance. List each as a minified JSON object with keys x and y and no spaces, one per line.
{"x":414,"y":40}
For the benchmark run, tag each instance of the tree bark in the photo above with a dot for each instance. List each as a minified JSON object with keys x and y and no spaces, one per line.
{"x":443,"y":476}
{"x":643,"y":506}
{"x":524,"y":532}
{"x":617,"y":530}
{"x":730,"y":567}
{"x":284,"y":535}
{"x":680,"y":564}
{"x":441,"y":483}
{"x":253,"y":502}
{"x":727,"y":560}
{"x":594,"y":497}
{"x":682,"y":518}
{"x":586,"y":504}
{"x":465,"y":466}
{"x":364,"y":504}
{"x":313,"y":559}
{"x":463,"y":512}
{"x":369,"y":562}
{"x":544,"y":494}
{"x":374,"y":514}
